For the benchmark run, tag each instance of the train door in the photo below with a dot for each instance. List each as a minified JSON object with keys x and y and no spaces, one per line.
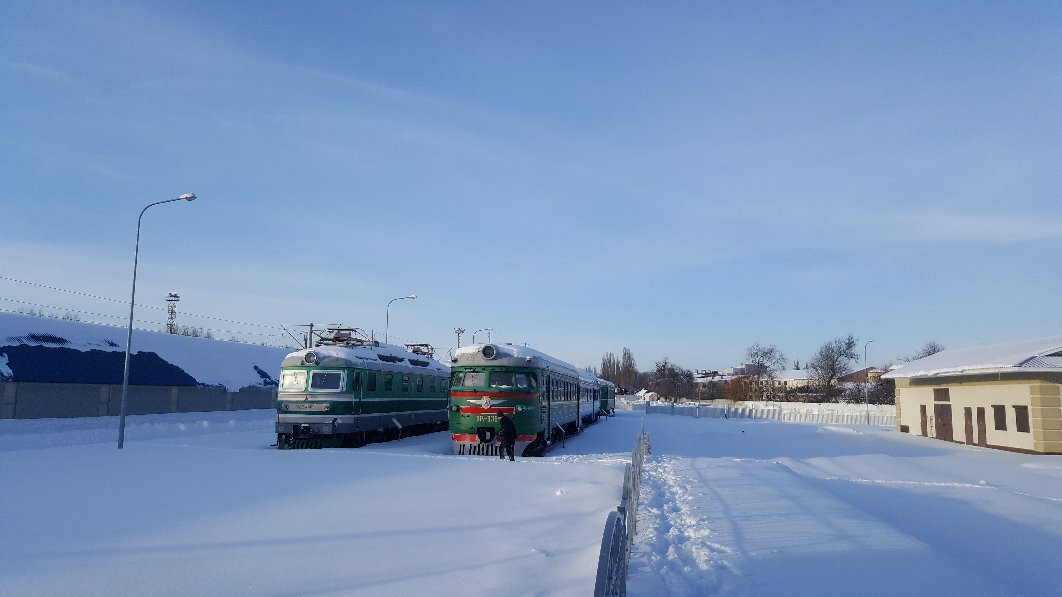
{"x":547,"y":408}
{"x":579,"y":405}
{"x":358,"y":394}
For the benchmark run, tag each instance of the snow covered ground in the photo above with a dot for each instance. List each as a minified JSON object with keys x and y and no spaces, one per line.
{"x":199,"y":504}
{"x":748,"y":507}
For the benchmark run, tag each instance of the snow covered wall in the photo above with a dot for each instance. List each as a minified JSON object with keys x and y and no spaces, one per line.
{"x":41,"y":350}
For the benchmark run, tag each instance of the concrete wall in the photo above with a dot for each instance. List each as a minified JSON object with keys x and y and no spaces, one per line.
{"x":1040,"y":395}
{"x":26,"y":400}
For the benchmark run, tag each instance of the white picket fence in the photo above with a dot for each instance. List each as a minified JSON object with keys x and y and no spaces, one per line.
{"x":838,"y":414}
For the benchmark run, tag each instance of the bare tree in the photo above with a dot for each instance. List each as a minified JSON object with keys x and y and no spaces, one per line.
{"x":610,"y":368}
{"x":672,"y":381}
{"x":628,"y":372}
{"x":832,"y":361}
{"x":766,"y":361}
{"x":930,"y":348}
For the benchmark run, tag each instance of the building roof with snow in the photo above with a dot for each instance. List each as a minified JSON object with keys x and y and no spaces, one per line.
{"x":1035,"y":355}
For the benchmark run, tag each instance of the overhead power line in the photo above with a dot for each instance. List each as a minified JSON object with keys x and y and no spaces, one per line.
{"x":113,"y":300}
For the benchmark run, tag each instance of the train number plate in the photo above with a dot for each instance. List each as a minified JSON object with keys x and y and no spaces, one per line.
{"x":307,"y":406}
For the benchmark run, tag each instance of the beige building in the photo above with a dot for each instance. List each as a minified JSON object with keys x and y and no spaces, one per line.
{"x":1003,"y":396}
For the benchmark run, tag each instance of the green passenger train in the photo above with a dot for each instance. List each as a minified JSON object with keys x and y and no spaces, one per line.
{"x":347,"y":391}
{"x":547,"y":399}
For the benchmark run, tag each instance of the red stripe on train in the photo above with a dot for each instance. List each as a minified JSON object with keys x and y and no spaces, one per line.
{"x":479,"y":410}
{"x":489,"y":394}
{"x":469,"y":437}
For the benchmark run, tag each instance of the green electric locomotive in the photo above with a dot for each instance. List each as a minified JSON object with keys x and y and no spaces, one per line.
{"x":348,"y":390}
{"x":546,"y":398}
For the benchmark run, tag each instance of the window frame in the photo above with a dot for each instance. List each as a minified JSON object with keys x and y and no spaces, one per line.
{"x":999,"y":416}
{"x":293,"y":373}
{"x":1021,"y":418}
{"x":313,"y":373}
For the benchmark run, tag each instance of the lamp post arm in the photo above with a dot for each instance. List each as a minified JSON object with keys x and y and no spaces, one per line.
{"x":129,"y":330}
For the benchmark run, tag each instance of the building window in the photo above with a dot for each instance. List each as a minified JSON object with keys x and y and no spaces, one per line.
{"x":999,"y":412}
{"x":1021,"y":418}
{"x":941,"y":395}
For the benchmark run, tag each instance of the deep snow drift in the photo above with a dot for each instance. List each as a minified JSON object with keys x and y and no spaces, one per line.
{"x":199,"y":504}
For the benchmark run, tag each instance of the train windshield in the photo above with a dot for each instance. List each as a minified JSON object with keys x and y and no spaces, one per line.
{"x":326,"y":380}
{"x":470,"y":379}
{"x":510,"y":379}
{"x":293,"y":381}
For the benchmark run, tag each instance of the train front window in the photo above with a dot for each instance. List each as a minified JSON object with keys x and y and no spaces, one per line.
{"x":501,"y":379}
{"x":293,"y":381}
{"x":326,"y":381}
{"x":471,"y":379}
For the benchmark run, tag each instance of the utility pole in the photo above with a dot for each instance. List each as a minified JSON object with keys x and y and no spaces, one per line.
{"x":459,"y":331}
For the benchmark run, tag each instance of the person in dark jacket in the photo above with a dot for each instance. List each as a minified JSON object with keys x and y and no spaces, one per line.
{"x":507,"y":435}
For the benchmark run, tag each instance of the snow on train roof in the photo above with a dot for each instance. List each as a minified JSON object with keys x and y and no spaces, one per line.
{"x":394,"y":358}
{"x":1026,"y":355}
{"x":524,"y":352}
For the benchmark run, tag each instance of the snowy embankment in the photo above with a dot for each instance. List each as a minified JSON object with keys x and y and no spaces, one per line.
{"x":199,"y":504}
{"x":31,"y":349}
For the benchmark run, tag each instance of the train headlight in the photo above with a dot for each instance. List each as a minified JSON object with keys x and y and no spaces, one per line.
{"x":489,"y":351}
{"x":310,"y":358}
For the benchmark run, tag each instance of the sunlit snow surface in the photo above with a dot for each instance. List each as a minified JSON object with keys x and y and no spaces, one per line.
{"x":200,"y":504}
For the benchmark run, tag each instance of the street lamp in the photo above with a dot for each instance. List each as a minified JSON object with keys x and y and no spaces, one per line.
{"x":132,"y":300}
{"x":488,"y":330}
{"x":866,"y":380}
{"x":387,"y":329}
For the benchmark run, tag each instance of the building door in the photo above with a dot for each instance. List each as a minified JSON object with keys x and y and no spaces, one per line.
{"x":943,"y":428}
{"x":967,"y":418}
{"x":982,"y":433}
{"x":925,"y":420}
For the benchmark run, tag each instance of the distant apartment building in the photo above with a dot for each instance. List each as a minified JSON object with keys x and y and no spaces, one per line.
{"x":1004,"y":395}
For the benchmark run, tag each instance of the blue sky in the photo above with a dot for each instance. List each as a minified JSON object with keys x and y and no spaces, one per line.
{"x":682,"y":178}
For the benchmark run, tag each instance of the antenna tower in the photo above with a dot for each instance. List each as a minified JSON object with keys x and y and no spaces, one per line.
{"x":171,"y":312}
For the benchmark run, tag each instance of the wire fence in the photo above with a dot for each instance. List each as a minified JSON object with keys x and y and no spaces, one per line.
{"x":621,"y":527}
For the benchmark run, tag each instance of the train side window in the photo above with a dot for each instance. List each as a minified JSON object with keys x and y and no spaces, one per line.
{"x":389,"y":382}
{"x":532,"y":381}
{"x":405,"y":384}
{"x":431,"y":385}
{"x":370,"y":381}
{"x":521,"y":380}
{"x":357,"y":380}
{"x":420,"y":384}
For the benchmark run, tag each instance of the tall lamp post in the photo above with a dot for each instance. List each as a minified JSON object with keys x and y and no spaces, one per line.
{"x":866,"y":380}
{"x":388,"y":328}
{"x":132,"y":301}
